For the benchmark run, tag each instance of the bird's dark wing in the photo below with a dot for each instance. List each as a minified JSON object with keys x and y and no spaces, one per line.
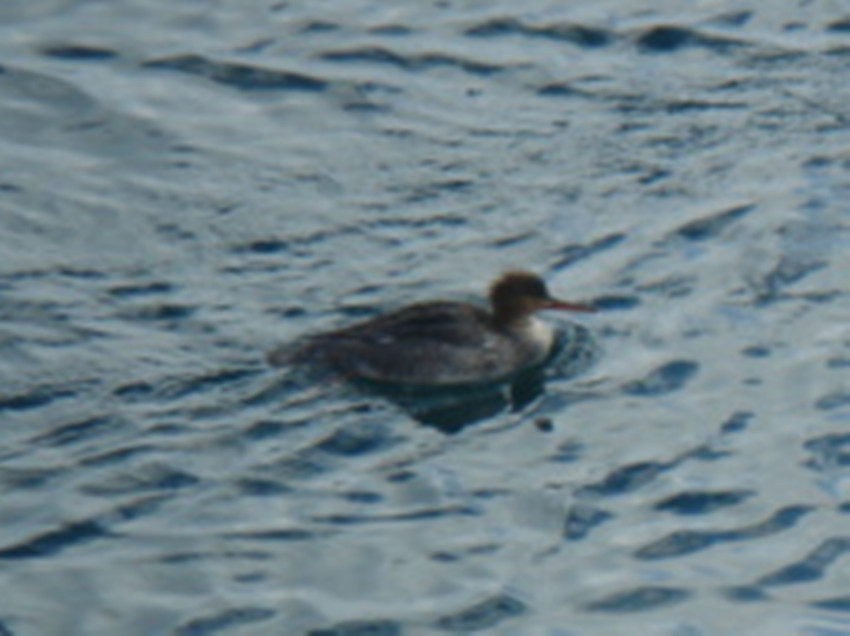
{"x":456,"y":324}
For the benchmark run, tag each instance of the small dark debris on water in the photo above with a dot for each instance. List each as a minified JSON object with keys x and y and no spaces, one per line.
{"x":544,"y":424}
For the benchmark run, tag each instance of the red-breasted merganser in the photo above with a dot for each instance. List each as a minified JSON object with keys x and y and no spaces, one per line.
{"x":443,"y":343}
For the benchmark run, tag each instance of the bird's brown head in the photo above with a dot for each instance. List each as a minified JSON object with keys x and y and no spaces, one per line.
{"x":517,"y":295}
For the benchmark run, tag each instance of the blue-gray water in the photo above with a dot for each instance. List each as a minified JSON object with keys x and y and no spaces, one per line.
{"x":186,"y":185}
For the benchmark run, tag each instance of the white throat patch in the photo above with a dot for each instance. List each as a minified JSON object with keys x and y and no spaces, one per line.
{"x":540,"y":333}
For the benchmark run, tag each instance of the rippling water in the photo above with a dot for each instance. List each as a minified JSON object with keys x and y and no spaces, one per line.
{"x":187,"y":185}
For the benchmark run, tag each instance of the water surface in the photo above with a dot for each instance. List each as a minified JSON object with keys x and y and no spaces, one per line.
{"x":187,"y":186}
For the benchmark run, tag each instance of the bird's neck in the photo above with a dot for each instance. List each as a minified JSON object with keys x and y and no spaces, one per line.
{"x":533,"y":331}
